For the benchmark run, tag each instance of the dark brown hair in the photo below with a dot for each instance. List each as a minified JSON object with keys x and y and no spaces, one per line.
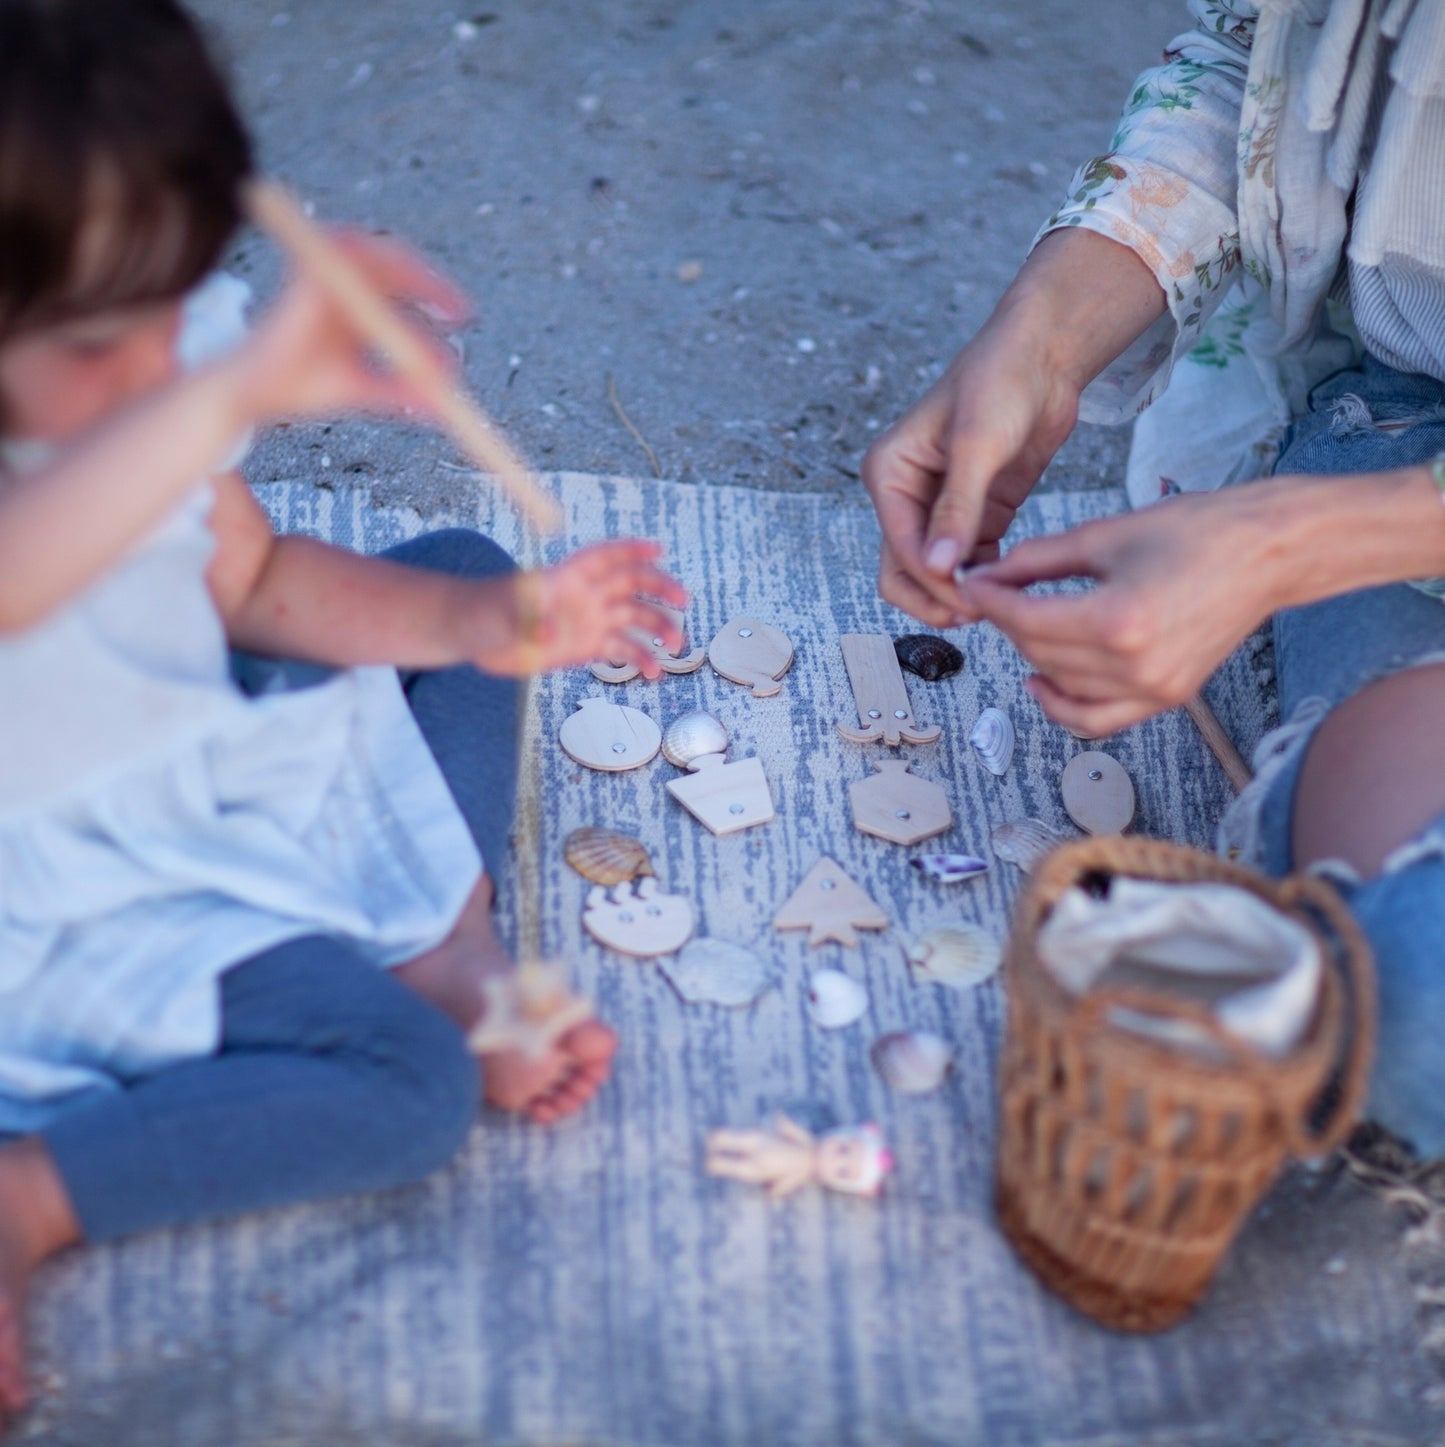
{"x":121,"y":154}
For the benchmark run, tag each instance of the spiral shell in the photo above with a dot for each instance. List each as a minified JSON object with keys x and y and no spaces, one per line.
{"x":1024,"y":842}
{"x":959,"y":955}
{"x":912,"y":1062}
{"x":835,"y":999}
{"x":691,"y":735}
{"x":929,"y":657}
{"x":604,"y":856}
{"x":949,"y":868}
{"x":993,"y":737}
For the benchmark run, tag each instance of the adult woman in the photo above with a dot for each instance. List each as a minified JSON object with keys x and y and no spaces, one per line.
{"x":1287,"y":157}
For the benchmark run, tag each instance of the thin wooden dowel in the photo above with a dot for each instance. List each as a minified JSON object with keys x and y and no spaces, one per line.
{"x":1219,"y":742}
{"x":276,"y":212}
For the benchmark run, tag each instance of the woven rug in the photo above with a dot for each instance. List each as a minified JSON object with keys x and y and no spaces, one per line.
{"x":588,"y":1284}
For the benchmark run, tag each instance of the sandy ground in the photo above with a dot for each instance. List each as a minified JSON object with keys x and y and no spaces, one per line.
{"x":771,"y":223}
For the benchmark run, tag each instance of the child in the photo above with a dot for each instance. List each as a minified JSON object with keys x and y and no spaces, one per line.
{"x":244,"y":918}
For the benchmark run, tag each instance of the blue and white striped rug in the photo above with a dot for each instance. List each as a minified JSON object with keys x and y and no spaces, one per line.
{"x":588,"y":1284}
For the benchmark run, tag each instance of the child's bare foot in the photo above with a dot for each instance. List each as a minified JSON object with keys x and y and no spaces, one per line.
{"x":36,"y":1221}
{"x":544,"y":1088}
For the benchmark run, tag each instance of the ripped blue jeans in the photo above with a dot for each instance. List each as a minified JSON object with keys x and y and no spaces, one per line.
{"x":1366,"y":420}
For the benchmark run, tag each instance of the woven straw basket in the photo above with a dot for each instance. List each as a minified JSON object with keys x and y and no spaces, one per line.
{"x":1126,"y":1168}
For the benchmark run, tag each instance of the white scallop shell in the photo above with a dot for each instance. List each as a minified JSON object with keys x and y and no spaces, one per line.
{"x":691,"y":735}
{"x":993,"y":737}
{"x":835,"y":999}
{"x":912,"y":1061}
{"x":1025,"y":841}
{"x":717,"y":972}
{"x":959,"y":955}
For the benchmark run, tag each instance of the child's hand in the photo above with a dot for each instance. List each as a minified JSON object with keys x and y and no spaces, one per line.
{"x":601,"y":603}
{"x":307,"y":358}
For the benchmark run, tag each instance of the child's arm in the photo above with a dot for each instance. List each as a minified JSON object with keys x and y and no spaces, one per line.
{"x":298,"y":598}
{"x":62,"y":524}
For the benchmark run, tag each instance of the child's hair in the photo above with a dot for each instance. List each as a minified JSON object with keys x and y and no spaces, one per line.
{"x":120,"y":158}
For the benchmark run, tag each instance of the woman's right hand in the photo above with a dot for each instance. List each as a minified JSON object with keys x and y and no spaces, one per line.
{"x":948,"y":476}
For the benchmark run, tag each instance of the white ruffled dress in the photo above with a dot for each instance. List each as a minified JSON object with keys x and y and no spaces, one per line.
{"x":157,"y":826}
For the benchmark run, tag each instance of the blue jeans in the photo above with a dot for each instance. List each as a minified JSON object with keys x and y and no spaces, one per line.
{"x":331,"y":1076}
{"x":1325,"y":653}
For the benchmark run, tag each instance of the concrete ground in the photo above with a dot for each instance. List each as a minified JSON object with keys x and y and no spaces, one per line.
{"x":770,"y":224}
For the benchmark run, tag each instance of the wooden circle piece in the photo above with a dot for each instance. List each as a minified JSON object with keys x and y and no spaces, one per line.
{"x":609,"y":736}
{"x":1098,"y":793}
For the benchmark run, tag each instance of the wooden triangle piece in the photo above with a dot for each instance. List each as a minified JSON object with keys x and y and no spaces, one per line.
{"x":830,"y":906}
{"x":895,"y":805}
{"x":726,"y":797}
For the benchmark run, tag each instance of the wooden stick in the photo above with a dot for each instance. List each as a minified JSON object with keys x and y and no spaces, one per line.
{"x":274,"y":210}
{"x":1219,"y":741}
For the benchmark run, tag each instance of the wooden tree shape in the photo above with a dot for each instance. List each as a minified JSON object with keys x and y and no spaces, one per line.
{"x":830,"y":906}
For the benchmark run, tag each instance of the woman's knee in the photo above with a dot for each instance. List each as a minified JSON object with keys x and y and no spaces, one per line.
{"x":462,"y":552}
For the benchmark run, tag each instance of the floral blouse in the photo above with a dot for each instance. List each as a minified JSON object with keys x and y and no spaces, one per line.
{"x":1285,"y":162}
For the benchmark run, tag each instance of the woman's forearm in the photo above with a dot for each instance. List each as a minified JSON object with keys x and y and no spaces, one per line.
{"x":1085,"y":298}
{"x":1316,"y":537}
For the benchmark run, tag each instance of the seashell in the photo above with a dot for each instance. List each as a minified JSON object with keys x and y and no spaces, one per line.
{"x":692,"y":735}
{"x":1024,"y":842}
{"x":929,"y":657}
{"x":717,"y":972}
{"x":949,"y":868}
{"x":959,"y":955}
{"x":835,"y":999}
{"x":993,"y":737}
{"x":604,"y":856}
{"x":912,"y":1061}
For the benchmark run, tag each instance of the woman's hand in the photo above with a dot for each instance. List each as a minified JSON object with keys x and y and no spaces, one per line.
{"x":1178,"y":587}
{"x":948,"y":476}
{"x":306,"y":357}
{"x":601,"y":603}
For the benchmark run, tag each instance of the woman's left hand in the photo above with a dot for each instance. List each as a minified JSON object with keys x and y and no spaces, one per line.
{"x":1178,"y":586}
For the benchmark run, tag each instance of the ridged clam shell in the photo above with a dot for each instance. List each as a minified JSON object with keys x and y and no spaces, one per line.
{"x":959,"y":955}
{"x":604,"y":856}
{"x":929,"y":657}
{"x":993,"y":737}
{"x":912,"y":1061}
{"x":692,"y":735}
{"x":1024,"y":842}
{"x":835,"y":999}
{"x":717,"y":972}
{"x":949,"y":868}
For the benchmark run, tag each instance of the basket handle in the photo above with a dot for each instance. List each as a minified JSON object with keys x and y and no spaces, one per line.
{"x":1348,"y":953}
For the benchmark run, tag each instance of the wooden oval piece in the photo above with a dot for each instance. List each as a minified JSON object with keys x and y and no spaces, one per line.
{"x":609,"y":736}
{"x":1098,"y":793}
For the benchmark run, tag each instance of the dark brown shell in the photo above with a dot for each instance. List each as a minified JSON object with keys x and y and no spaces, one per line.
{"x":604,"y":856}
{"x":929,"y":657}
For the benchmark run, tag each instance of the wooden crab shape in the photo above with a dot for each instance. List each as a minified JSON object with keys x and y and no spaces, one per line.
{"x":725,"y":797}
{"x":751,"y":652}
{"x":884,"y":712}
{"x":638,"y":921}
{"x":671,"y":660}
{"x":896,"y":805}
{"x":609,"y":736}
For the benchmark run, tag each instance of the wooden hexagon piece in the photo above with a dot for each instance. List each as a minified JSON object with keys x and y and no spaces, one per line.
{"x":896,"y":805}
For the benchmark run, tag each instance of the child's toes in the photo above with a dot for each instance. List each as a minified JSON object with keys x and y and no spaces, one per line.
{"x":591,"y":1043}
